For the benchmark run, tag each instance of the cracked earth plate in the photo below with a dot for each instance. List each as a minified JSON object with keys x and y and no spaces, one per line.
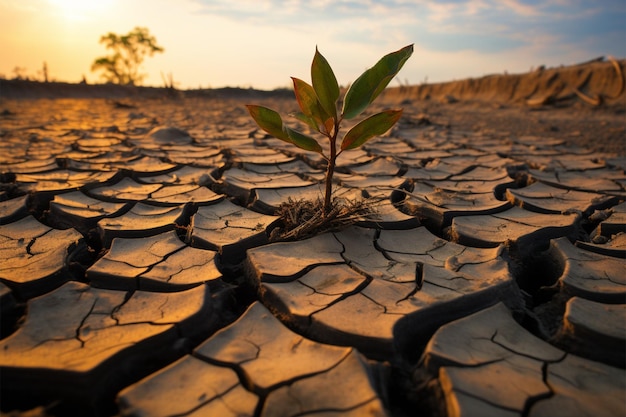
{"x":34,"y":257}
{"x":489,"y":365}
{"x":525,"y":228}
{"x":126,"y":189}
{"x":13,"y":209}
{"x":158,"y":263}
{"x":596,"y":331}
{"x":376,"y":288}
{"x":164,"y":136}
{"x":615,"y":246}
{"x":257,"y":364}
{"x":79,"y":342}
{"x":80,"y":211}
{"x":294,"y":167}
{"x":376,"y":167}
{"x":148,"y":165}
{"x":261,"y":155}
{"x":603,"y":181}
{"x":61,"y":180}
{"x":30,"y":166}
{"x":141,"y":221}
{"x":282,"y":262}
{"x":172,"y":195}
{"x":239,"y":183}
{"x":546,"y":199}
{"x":388,"y":146}
{"x":440,"y":207}
{"x":210,"y":159}
{"x":185,"y":175}
{"x":589,"y":275}
{"x":230,"y":229}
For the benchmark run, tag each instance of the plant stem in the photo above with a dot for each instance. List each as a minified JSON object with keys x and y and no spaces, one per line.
{"x":331,"y":169}
{"x":329,"y":179}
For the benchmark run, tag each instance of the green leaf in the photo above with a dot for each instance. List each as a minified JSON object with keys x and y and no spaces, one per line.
{"x":272,"y":123}
{"x":309,"y":104}
{"x":303,"y":141}
{"x":306,"y":119}
{"x":269,"y":120}
{"x":372,"y":126}
{"x":373,"y":81}
{"x":325,"y":84}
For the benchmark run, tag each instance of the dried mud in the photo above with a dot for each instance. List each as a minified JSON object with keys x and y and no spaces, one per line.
{"x":138,"y":275}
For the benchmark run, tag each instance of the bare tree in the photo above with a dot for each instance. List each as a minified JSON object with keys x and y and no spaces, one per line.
{"x":129,"y":51}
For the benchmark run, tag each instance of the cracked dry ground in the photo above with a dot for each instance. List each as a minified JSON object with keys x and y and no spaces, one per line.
{"x":138,"y":277}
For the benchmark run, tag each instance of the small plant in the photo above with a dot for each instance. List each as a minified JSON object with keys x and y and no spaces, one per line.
{"x":319,"y":110}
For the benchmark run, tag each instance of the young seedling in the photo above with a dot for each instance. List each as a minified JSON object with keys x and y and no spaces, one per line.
{"x":319,"y":110}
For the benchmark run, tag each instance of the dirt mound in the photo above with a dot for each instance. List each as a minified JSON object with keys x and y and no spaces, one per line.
{"x":595,"y":82}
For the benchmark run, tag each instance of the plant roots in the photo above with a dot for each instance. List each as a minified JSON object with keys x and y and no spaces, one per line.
{"x":302,"y":219}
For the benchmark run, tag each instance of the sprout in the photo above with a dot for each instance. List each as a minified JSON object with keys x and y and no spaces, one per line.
{"x":319,"y":110}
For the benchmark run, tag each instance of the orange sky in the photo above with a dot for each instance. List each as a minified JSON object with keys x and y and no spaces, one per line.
{"x":261,"y":43}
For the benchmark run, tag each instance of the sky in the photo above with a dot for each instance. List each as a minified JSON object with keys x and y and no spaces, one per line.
{"x":261,"y":43}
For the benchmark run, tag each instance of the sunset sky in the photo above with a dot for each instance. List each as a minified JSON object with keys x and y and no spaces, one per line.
{"x":261,"y":43}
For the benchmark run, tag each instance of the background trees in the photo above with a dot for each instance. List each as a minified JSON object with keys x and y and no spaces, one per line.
{"x":129,"y":51}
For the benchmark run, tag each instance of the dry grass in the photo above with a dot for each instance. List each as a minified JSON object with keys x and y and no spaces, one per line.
{"x":302,"y":219}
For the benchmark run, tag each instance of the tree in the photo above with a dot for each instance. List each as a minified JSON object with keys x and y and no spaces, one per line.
{"x":129,"y":51}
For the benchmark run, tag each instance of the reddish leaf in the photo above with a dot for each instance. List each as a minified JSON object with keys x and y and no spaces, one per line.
{"x":309,"y":104}
{"x":269,"y":120}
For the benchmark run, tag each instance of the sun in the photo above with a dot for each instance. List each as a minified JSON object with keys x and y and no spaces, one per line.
{"x":79,"y":9}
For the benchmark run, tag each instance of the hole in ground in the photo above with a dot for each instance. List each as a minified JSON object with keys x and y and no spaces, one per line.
{"x":536,"y":274}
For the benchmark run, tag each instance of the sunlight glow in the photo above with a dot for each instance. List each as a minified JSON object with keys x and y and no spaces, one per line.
{"x":261,"y":43}
{"x":79,"y":9}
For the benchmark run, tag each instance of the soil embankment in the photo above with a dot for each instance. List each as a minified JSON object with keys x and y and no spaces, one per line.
{"x":596,"y":83}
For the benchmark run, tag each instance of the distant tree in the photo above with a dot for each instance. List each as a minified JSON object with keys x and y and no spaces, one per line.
{"x":129,"y":51}
{"x":20,"y":73}
{"x":43,"y":72}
